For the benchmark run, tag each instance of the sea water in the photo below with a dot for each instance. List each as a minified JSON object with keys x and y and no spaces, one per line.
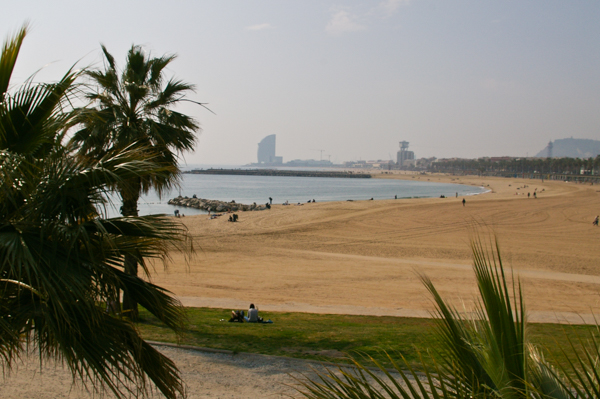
{"x":249,"y":189}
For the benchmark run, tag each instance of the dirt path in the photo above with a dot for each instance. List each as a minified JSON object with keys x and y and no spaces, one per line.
{"x":206,"y":375}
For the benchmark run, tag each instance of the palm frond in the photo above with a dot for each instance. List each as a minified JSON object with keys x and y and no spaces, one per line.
{"x":456,"y":335}
{"x":546,"y":381}
{"x":32,"y":118}
{"x":581,"y":373}
{"x":8,"y":58}
{"x":359,"y":381}
{"x":503,"y":337}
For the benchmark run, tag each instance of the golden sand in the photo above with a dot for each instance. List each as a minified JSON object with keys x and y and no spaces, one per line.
{"x":365,"y":257}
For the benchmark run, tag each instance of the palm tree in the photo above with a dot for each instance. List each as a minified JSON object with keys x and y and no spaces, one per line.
{"x":135,"y":108}
{"x":60,"y":261}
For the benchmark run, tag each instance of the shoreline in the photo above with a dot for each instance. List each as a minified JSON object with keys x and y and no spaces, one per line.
{"x":215,"y":205}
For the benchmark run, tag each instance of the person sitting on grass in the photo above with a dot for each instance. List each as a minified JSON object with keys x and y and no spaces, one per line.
{"x":252,"y":314}
{"x":237,"y":316}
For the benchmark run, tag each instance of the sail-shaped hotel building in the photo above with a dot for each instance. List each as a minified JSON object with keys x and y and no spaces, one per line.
{"x":266,"y":151}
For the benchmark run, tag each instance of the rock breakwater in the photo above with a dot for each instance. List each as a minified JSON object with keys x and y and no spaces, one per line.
{"x":214,"y":205}
{"x":277,"y":172}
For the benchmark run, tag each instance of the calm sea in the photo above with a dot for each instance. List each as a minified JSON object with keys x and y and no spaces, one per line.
{"x":249,"y":189}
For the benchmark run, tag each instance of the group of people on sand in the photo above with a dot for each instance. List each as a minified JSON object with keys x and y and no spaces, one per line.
{"x":214,"y":215}
{"x":178,"y":214}
{"x":232,"y":218}
{"x":529,"y":193}
{"x":308,"y":202}
{"x":535,"y":192}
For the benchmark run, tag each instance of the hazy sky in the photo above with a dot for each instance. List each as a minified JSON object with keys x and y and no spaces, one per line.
{"x":351,"y":78}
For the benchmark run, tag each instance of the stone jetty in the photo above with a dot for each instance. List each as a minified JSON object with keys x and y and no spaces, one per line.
{"x":276,"y":172}
{"x":214,"y":205}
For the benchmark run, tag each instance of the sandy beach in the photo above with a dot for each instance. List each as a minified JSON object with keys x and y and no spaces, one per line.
{"x":365,"y":257}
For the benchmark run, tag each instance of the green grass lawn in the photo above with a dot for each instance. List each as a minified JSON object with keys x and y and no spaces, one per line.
{"x":327,"y":337}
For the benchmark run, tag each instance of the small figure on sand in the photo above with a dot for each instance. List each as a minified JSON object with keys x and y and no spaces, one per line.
{"x":595,"y":222}
{"x":464,"y":201}
{"x":270,"y":201}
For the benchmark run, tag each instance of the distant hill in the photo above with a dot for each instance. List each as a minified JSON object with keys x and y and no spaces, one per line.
{"x":573,"y":148}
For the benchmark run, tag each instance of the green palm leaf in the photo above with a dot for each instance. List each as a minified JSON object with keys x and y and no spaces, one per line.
{"x":10,"y":52}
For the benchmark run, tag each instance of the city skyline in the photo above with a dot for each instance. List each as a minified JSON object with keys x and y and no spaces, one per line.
{"x":348,"y":79}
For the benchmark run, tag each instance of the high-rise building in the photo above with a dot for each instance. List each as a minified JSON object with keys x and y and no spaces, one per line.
{"x":404,"y":155}
{"x":266,"y":151}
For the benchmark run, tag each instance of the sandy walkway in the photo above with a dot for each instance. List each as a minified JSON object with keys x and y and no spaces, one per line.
{"x":207,"y":375}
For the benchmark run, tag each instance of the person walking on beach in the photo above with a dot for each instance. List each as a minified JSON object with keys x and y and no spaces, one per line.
{"x":464,"y":201}
{"x":270,"y":201}
{"x":595,"y":222}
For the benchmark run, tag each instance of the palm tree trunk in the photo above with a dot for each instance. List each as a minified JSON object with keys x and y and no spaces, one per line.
{"x":130,"y":195}
{"x":130,"y":305}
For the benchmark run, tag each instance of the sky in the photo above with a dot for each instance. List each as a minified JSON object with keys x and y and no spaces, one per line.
{"x":346,"y":80}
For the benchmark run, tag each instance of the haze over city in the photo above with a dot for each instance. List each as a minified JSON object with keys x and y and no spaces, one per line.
{"x":347,"y":80}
